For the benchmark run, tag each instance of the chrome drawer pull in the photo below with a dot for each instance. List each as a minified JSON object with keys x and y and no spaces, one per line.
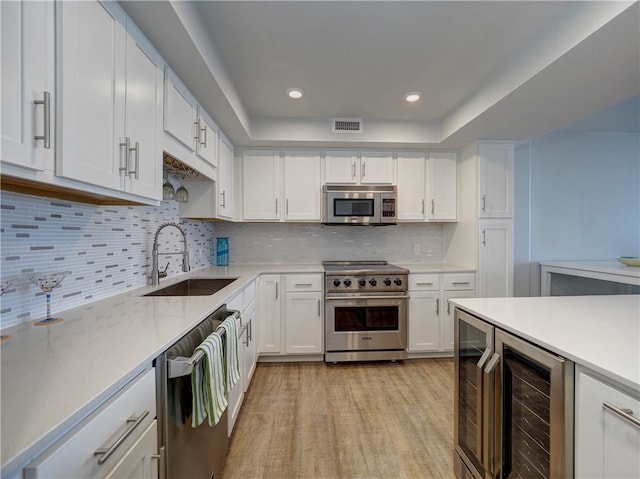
{"x":455,"y":283}
{"x":46,"y":102}
{"x":106,"y":453}
{"x":623,"y":413}
{"x":424,"y":284}
{"x":306,"y":285}
{"x":161,"y":463}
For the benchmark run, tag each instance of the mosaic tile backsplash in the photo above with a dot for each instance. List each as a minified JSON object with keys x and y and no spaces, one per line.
{"x":106,"y":248}
{"x":313,"y":243}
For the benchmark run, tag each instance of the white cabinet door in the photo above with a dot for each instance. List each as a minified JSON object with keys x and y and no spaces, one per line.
{"x":225,"y":178}
{"x":607,"y":444}
{"x":141,"y":461}
{"x":447,"y":316}
{"x":28,"y":70}
{"x":376,"y":168}
{"x":143,"y":121}
{"x":442,"y":186}
{"x":269,"y":313}
{"x":260,"y":185}
{"x":411,"y":186}
{"x":341,"y":167}
{"x":302,"y":186}
{"x":91,"y":89}
{"x":495,"y":177}
{"x":303,"y":323}
{"x":424,"y":321}
{"x":207,"y":140}
{"x":180,"y":112}
{"x":495,"y":265}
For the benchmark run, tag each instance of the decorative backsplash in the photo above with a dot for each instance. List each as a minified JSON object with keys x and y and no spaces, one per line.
{"x":106,"y":248}
{"x":313,"y":243}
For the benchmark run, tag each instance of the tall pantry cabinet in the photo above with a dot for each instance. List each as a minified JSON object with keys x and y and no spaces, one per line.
{"x":483,"y":236}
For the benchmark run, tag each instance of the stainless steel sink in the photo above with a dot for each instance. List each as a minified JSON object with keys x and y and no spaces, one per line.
{"x":194,"y":287}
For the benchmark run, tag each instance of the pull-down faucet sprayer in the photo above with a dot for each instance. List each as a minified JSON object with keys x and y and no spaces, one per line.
{"x":156,"y":274}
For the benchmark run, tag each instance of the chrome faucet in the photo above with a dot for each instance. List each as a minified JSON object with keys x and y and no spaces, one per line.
{"x":156,"y":274}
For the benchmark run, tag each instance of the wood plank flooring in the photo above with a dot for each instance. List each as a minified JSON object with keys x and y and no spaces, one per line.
{"x":351,"y":420}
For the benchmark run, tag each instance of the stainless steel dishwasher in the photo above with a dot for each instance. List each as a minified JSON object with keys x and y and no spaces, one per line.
{"x":189,"y":453}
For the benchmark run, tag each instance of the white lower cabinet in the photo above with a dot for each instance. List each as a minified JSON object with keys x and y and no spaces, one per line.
{"x":293,"y":326}
{"x":430,"y":314}
{"x":495,"y":258}
{"x":118,"y":440}
{"x":607,"y":434}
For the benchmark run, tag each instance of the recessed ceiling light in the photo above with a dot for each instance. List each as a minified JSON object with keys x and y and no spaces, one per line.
{"x":412,"y":97}
{"x":295,"y":93}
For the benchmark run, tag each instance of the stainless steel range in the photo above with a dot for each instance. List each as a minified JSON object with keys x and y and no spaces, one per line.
{"x":365,"y":311}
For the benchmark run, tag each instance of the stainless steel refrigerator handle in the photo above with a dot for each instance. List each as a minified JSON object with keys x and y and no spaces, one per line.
{"x":47,"y":120}
{"x":107,"y":452}
{"x":626,"y":414}
{"x":483,"y":359}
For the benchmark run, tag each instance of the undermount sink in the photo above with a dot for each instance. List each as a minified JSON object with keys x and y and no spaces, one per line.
{"x":194,"y":287}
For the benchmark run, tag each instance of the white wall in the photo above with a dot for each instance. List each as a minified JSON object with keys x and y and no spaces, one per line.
{"x":577,"y":198}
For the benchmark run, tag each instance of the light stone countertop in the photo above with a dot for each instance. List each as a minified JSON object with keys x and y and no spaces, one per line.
{"x":605,"y":267}
{"x":54,"y":376}
{"x":599,"y":332}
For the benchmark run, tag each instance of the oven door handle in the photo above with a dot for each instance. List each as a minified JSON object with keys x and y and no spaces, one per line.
{"x":359,"y":298}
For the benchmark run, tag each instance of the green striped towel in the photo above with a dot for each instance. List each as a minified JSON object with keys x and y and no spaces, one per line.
{"x":208,"y":382}
{"x":231,"y":363}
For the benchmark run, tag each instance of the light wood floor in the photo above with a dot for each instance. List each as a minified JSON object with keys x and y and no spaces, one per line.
{"x":351,"y":420}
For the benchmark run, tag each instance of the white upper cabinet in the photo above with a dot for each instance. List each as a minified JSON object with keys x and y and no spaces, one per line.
{"x":442,"y":186}
{"x":411,"y":186}
{"x":181,"y":110}
{"x":495,"y":180}
{"x":28,"y":96}
{"x":109,"y":101}
{"x":206,"y":139}
{"x":351,"y":168}
{"x":225,"y":178}
{"x":302,"y":186}
{"x":260,"y":185}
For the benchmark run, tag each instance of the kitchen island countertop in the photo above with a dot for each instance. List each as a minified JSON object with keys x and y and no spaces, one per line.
{"x":600,"y":332}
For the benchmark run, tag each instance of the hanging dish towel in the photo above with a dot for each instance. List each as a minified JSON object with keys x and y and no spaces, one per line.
{"x":232,"y":363}
{"x":208,"y":382}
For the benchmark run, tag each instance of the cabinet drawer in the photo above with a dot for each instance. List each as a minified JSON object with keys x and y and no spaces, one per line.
{"x":459,"y":281}
{"x":304,"y":282}
{"x":73,"y":456}
{"x":424,"y":282}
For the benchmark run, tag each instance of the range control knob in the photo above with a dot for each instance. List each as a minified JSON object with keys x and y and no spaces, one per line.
{"x":397,"y":282}
{"x":347,"y":282}
{"x":361,"y":283}
{"x":336,"y":282}
{"x":373,"y":282}
{"x":387,"y":282}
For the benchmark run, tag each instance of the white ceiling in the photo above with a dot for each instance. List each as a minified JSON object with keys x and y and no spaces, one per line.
{"x":487,"y":70}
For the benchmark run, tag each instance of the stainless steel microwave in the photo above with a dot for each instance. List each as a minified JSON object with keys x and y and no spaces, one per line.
{"x":359,"y":205}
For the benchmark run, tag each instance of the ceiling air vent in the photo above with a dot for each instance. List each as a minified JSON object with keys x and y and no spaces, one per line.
{"x":346,"y":125}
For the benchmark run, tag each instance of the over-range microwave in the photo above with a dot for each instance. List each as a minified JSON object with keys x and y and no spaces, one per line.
{"x":359,"y":205}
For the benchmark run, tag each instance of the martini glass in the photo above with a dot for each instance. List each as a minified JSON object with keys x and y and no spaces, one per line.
{"x":47,"y":282}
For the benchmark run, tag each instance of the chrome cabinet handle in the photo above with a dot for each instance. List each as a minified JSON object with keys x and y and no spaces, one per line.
{"x":424,"y":284}
{"x":459,"y":283}
{"x":127,"y":148}
{"x":364,"y":170}
{"x":484,"y":237}
{"x":46,"y":101}
{"x":483,"y":198}
{"x":433,"y":208}
{"x":318,"y":307}
{"x":224,"y":198}
{"x":276,"y":290}
{"x":136,"y":160}
{"x":276,"y":206}
{"x":303,"y":285}
{"x":250,"y":330}
{"x":437,"y":305}
{"x":353,"y":170}
{"x":286,"y":207}
{"x":624,"y":413}
{"x":204,"y":143}
{"x":491,"y":365}
{"x":448,"y":307}
{"x":197,"y":125}
{"x":423,"y":207}
{"x":107,"y":452}
{"x":483,"y":359}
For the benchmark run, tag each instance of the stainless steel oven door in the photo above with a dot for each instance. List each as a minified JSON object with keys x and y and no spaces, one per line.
{"x":366,"y":323}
